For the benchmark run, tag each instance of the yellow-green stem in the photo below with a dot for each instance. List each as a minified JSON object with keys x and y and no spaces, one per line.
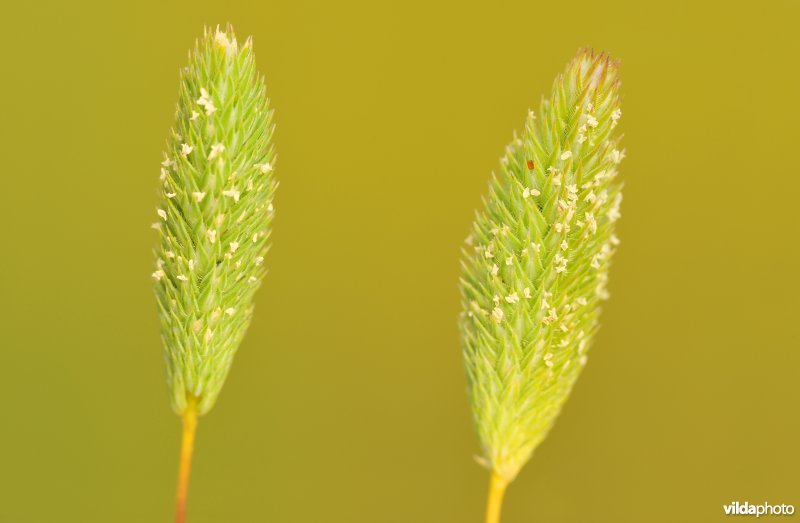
{"x":497,"y":488}
{"x":189,"y":419}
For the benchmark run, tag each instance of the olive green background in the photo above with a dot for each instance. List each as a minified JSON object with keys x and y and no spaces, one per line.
{"x":346,"y":402}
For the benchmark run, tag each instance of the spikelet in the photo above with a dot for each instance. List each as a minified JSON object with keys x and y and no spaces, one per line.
{"x":536,"y":263}
{"x":214,"y":217}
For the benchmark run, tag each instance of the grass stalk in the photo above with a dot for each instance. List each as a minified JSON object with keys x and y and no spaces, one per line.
{"x":494,"y":504}
{"x":189,"y":421}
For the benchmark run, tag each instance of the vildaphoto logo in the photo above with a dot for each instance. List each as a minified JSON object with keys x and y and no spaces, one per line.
{"x":764,"y":509}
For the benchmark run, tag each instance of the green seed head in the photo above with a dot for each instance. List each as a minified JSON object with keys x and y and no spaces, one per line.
{"x":536,"y":264}
{"x":214,"y":217}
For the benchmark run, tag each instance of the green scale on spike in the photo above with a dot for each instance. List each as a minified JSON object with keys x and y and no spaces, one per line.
{"x":214,"y":216}
{"x":536,"y":263}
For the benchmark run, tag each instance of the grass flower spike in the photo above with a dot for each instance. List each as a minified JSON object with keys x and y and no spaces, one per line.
{"x":214,"y":221}
{"x":536,"y":265}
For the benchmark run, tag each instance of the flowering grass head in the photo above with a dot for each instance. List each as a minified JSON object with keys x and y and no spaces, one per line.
{"x":214,"y":218}
{"x":536,"y":263}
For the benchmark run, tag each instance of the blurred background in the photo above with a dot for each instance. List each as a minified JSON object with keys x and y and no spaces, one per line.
{"x":347,"y":402}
